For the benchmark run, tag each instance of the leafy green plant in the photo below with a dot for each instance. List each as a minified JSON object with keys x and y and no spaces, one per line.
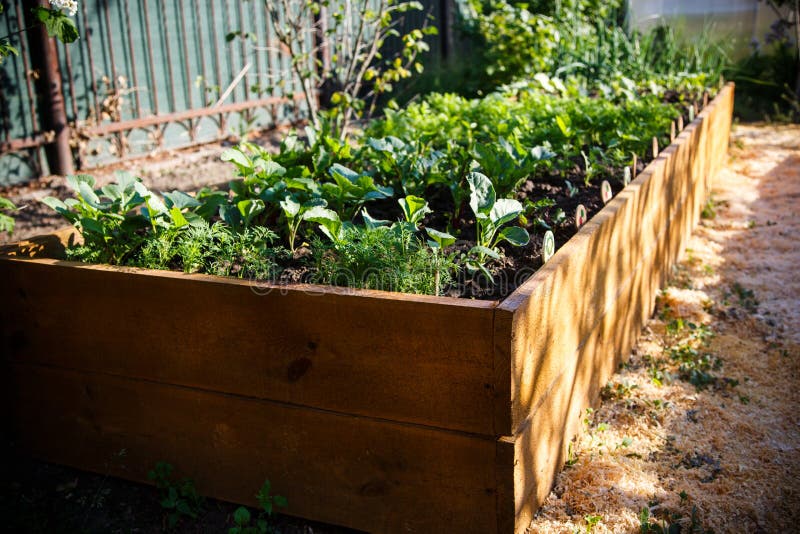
{"x":179,"y":499}
{"x":408,"y":166}
{"x":650,"y":526}
{"x":350,"y":190}
{"x":491,"y":216}
{"x":108,"y":218}
{"x":509,"y":162}
{"x":592,"y":521}
{"x":267,"y":502}
{"x":294,"y":213}
{"x":695,"y":365}
{"x":6,"y":221}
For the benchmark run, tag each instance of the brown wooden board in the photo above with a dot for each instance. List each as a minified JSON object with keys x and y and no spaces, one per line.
{"x":544,"y":321}
{"x":364,"y":473}
{"x":560,"y":355}
{"x":398,"y":357}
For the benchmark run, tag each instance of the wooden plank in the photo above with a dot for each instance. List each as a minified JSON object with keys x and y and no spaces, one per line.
{"x":416,"y":359}
{"x":362,"y":473}
{"x":578,"y":371}
{"x":540,"y":448}
{"x":557,"y":309}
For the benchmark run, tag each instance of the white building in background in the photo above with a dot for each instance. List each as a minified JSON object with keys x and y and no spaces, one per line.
{"x":745,"y":21}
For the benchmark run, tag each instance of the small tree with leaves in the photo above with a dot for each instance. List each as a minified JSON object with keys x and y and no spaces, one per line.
{"x":338,"y":56}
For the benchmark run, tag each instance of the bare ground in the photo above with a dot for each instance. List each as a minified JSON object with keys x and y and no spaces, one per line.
{"x":725,"y":457}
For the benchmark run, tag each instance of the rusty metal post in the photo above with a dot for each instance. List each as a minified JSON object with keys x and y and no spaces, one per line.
{"x":47,"y":74}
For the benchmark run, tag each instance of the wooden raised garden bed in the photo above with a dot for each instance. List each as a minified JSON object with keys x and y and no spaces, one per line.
{"x":382,"y":412}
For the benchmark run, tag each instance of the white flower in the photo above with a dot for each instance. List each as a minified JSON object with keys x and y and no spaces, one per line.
{"x":70,"y":6}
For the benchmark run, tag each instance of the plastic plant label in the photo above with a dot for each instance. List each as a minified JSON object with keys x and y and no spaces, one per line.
{"x":548,"y":246}
{"x":626,"y":176}
{"x":655,"y":148}
{"x":680,"y":123}
{"x":605,"y":191}
{"x":672,"y":131}
{"x":691,"y":113}
{"x":580,"y":216}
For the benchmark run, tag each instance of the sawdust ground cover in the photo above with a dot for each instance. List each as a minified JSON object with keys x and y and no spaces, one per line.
{"x":700,"y":429}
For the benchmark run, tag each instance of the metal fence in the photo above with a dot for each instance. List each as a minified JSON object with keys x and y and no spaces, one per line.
{"x":146,"y":75}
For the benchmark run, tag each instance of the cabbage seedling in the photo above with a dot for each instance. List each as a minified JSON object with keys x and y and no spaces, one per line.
{"x":491,"y":214}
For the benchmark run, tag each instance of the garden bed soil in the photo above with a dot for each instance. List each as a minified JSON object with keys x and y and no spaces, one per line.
{"x":364,"y":408}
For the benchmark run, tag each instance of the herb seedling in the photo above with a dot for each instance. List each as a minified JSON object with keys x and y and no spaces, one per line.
{"x":267,"y":502}
{"x":178,"y":499}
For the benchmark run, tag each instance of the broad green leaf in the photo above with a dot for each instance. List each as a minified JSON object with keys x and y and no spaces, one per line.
{"x":236,"y":156}
{"x":142,"y":190}
{"x":92,"y":226}
{"x":126,"y":179}
{"x":541,"y":153}
{"x":57,"y":23}
{"x":194,"y":219}
{"x":180,"y":200}
{"x":74,"y":181}
{"x":482,"y":196}
{"x":515,"y":235}
{"x":485,"y":251}
{"x":89,"y":196}
{"x":210,"y":202}
{"x":319,"y":213}
{"x":505,"y":210}
{"x":414,"y":208}
{"x":156,"y":205}
{"x":177,"y":217}
{"x":60,"y":207}
{"x":341,"y":171}
{"x":231,"y":216}
{"x":442,"y":239}
{"x":379,"y":145}
{"x":249,"y":209}
{"x":272,"y":168}
{"x":290,"y":206}
{"x":563,"y":125}
{"x":112,"y":191}
{"x":328,"y":220}
{"x":371,"y":223}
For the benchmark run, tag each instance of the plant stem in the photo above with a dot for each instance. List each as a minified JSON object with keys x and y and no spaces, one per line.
{"x":18,"y":32}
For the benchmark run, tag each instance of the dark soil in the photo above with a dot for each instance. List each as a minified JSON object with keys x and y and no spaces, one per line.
{"x":38,"y":497}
